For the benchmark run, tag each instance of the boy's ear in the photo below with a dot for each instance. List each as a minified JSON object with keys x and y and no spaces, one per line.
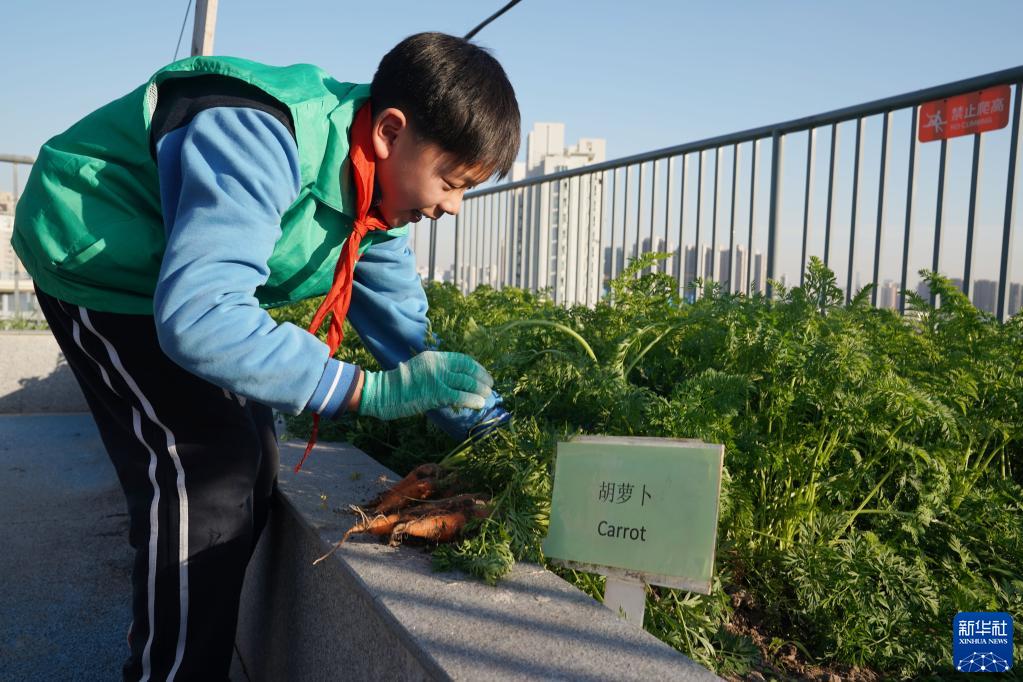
{"x":388,"y":125}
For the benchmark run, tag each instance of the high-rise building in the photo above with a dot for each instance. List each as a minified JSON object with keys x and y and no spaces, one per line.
{"x":556,"y":228}
{"x":888,"y":295}
{"x":1015,"y":301}
{"x":759,"y":274}
{"x":985,"y":294}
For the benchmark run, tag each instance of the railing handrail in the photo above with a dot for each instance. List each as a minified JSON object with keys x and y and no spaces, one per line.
{"x":880,"y":106}
{"x":16,"y":158}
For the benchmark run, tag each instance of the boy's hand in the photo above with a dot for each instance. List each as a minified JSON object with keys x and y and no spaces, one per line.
{"x":429,"y":380}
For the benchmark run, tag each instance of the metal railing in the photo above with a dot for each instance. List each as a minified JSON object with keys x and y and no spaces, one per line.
{"x":17,"y":296}
{"x":570,"y":231}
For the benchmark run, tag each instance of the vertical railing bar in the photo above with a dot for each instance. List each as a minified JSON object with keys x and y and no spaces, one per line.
{"x":495,"y":244}
{"x":831,"y":194}
{"x":541,"y":249}
{"x":777,"y":149}
{"x":495,"y":241}
{"x":494,"y":231}
{"x":481,"y":239}
{"x":506,"y":239}
{"x":680,"y":275}
{"x":474,"y":241}
{"x":600,"y":239}
{"x":493,"y":234}
{"x":574,"y":289}
{"x":855,"y":201}
{"x":910,"y":191}
{"x":880,"y":206}
{"x":938,"y":211}
{"x":752,"y":206}
{"x":591,"y":214}
{"x":653,"y":201}
{"x":556,"y":229}
{"x":520,"y":226}
{"x":731,"y":220}
{"x":569,"y":287}
{"x":495,"y":248}
{"x":667,"y":212}
{"x":538,"y":269}
{"x":502,"y":248}
{"x":564,"y":242}
{"x":533,"y":264}
{"x":581,"y":270}
{"x":714,"y":216}
{"x":458,"y":238}
{"x":479,"y":219}
{"x":513,"y":247}
{"x":625,"y":219}
{"x":527,"y":238}
{"x":1010,"y":208}
{"x":432,"y":271}
{"x":614,"y":200}
{"x":470,"y":245}
{"x":465,"y":257}
{"x":487,"y":234}
{"x":639,"y":214}
{"x":972,"y":213}
{"x":811,"y":138}
{"x":585,"y":248}
{"x":698,"y":270}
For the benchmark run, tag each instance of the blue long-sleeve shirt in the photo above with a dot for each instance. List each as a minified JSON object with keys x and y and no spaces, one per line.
{"x":225,"y":180}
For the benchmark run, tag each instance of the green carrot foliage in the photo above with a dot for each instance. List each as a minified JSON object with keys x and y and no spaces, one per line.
{"x":873,"y":483}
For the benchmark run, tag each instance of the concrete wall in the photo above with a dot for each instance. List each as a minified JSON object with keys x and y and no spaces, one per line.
{"x":34,"y":377}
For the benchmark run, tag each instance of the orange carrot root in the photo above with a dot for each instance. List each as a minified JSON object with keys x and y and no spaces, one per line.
{"x":420,"y":484}
{"x":381,"y":524}
{"x":443,"y":524}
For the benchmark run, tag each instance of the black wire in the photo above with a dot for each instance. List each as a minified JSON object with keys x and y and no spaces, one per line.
{"x":183,"y":22}
{"x":470,"y":34}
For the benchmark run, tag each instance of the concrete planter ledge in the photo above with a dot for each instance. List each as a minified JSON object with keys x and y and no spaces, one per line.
{"x":372,"y":612}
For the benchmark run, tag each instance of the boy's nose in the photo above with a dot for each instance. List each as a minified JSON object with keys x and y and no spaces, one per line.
{"x":450,"y":206}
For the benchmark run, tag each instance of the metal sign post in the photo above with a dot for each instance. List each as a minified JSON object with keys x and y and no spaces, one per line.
{"x":626,"y":597}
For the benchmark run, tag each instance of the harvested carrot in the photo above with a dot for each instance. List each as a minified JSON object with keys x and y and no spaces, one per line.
{"x":381,"y":524}
{"x":454,"y":503}
{"x":420,"y":484}
{"x":441,"y":525}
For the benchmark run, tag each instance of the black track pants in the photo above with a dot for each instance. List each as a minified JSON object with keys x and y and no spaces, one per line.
{"x":197,"y":465}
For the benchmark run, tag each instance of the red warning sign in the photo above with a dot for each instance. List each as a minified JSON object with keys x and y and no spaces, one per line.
{"x":974,"y":112}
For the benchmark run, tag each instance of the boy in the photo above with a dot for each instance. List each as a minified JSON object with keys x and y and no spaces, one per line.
{"x":159,"y":228}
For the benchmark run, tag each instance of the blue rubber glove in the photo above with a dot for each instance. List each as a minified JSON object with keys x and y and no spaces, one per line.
{"x":461,"y":424}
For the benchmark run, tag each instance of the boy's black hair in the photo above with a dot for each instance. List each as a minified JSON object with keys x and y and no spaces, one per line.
{"x":456,"y":95}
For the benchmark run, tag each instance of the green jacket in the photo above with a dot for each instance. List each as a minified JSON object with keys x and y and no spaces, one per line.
{"x":89,"y":228}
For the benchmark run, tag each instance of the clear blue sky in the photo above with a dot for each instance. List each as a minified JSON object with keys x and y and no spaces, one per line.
{"x":642,"y":75}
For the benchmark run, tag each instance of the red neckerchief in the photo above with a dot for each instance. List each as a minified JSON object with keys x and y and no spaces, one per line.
{"x":337,"y":300}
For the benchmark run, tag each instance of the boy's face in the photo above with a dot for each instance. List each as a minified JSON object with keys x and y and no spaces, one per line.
{"x":415,"y":179}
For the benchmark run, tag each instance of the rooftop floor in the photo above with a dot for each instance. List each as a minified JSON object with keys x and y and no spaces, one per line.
{"x":65,"y":556}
